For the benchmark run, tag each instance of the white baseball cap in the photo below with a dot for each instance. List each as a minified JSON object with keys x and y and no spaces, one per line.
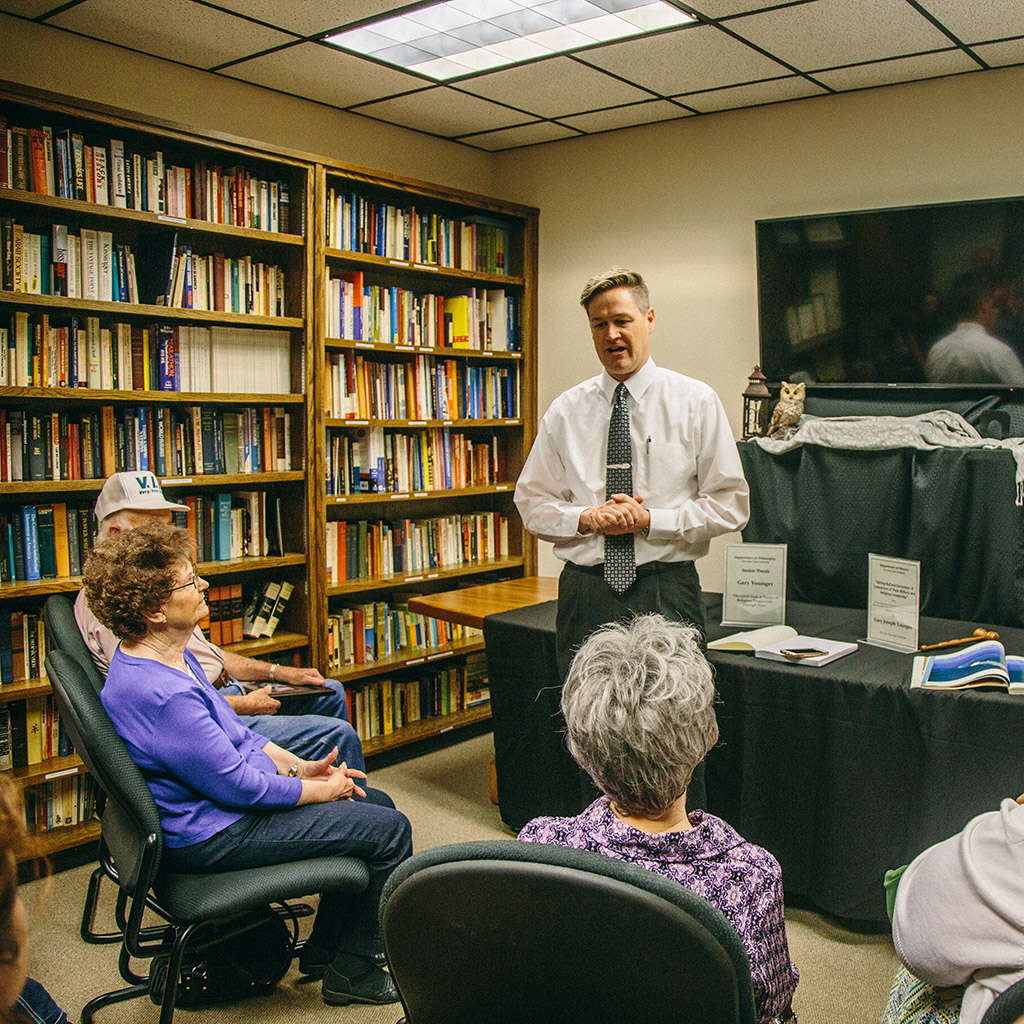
{"x":138,"y":492}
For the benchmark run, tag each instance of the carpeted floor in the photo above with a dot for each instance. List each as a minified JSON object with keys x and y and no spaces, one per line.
{"x":844,"y":975}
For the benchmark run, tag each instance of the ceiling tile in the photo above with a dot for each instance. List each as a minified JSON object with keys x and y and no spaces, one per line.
{"x":443,"y":111}
{"x":831,"y":33}
{"x":311,"y":17}
{"x":1001,"y":54}
{"x":527,"y":135}
{"x":791,"y":88}
{"x":175,"y":29}
{"x":980,"y":20}
{"x":724,"y":8}
{"x":903,"y":69}
{"x":691,"y":58}
{"x":28,"y":8}
{"x":551,"y":88}
{"x":324,"y":74}
{"x":626,"y":117}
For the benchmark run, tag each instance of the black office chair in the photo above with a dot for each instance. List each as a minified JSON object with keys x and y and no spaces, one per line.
{"x":1008,"y":1006}
{"x":503,"y":931}
{"x":222,"y":902}
{"x":63,"y":634}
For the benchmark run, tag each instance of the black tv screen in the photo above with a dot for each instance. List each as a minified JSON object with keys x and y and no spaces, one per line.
{"x":863,"y":298}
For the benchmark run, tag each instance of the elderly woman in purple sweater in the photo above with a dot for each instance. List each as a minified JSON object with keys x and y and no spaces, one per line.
{"x":228,"y":797}
{"x":638,"y":703}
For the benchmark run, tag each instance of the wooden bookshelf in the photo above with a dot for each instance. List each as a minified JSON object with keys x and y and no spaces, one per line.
{"x":308,"y":263}
{"x":418,"y":282}
{"x":155,"y":237}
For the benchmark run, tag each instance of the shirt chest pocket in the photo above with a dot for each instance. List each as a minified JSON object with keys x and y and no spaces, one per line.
{"x":668,"y":465}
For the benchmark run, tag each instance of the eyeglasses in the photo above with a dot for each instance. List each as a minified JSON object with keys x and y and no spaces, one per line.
{"x":193,"y":582}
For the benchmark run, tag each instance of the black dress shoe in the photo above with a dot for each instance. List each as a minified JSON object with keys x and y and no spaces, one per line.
{"x":372,"y":985}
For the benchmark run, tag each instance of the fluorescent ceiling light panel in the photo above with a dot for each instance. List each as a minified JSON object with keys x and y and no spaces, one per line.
{"x":477,"y":35}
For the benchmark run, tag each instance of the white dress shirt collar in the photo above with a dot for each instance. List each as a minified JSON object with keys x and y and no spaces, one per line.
{"x":636,"y":384}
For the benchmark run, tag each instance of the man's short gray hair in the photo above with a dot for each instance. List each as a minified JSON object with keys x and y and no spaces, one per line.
{"x":639,"y":705}
{"x":617,"y":277}
{"x":122,"y":519}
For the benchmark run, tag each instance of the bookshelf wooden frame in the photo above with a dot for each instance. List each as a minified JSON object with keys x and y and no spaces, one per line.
{"x":291,"y":250}
{"x":517,"y":432}
{"x":307,"y":258}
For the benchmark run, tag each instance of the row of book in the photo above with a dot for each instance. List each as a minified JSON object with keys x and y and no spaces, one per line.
{"x":60,"y":163}
{"x":376,"y":630}
{"x":358,"y":224}
{"x":485,"y":319}
{"x":41,"y":350}
{"x":45,"y":541}
{"x":32,"y":731}
{"x":89,"y":265}
{"x":423,"y":388}
{"x":22,"y":645}
{"x":386,"y":705}
{"x":366,"y":549}
{"x":231,"y":525}
{"x":218,"y":282}
{"x":60,"y":802}
{"x":170,"y":441}
{"x":231,"y":617}
{"x":373,"y":460}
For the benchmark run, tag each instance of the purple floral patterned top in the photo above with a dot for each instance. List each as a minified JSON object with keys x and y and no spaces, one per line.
{"x":739,"y":879}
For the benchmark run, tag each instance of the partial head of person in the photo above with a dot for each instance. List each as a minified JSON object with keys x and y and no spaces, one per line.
{"x":129,"y":500}
{"x":13,"y":920}
{"x":639,"y":705}
{"x":977,"y":298}
{"x":143,"y":579}
{"x":621,"y":319}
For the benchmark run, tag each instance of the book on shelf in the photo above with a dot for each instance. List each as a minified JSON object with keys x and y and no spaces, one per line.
{"x":268,"y":601}
{"x":812,"y":651}
{"x":982,"y":665}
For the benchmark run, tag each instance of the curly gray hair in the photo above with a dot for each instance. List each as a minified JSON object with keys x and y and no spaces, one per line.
{"x":617,"y":277}
{"x":639,"y":705}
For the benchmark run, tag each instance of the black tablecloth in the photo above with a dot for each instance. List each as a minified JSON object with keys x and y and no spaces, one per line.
{"x":951,"y":508}
{"x":841,"y":771}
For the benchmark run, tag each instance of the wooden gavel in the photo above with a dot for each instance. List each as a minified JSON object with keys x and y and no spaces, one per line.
{"x":978,"y":634}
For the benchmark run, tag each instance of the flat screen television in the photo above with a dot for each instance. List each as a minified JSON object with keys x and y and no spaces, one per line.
{"x":860,"y":298}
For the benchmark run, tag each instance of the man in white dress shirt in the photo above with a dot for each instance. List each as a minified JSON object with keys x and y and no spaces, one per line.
{"x":684,"y":477}
{"x":971,"y":353}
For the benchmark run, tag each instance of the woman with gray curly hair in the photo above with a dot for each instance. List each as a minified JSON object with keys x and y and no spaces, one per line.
{"x":639,"y":705}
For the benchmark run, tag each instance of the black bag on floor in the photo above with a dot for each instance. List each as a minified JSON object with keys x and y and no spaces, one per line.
{"x":234,"y":968}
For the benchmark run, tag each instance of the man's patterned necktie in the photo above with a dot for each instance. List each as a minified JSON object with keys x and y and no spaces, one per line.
{"x":619,"y":556}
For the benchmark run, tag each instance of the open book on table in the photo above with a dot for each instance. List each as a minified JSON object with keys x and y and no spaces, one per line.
{"x":985,"y":664}
{"x":751,"y":639}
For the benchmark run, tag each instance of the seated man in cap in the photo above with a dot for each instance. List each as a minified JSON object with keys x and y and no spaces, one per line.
{"x":130,"y":499}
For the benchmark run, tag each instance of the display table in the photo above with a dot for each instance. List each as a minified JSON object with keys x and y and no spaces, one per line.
{"x":841,"y":771}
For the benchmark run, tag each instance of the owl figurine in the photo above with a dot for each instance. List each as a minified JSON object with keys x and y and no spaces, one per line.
{"x":788,"y":410}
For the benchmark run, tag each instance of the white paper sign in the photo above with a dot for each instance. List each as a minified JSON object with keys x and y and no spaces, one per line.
{"x":894,"y":602}
{"x":754,"y":592}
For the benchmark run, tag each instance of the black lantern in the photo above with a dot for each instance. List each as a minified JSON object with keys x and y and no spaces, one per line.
{"x":755,"y":405}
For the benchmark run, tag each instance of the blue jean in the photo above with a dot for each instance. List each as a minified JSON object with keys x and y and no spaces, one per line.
{"x":371,"y":830}
{"x":38,"y":1004}
{"x":321,"y":724}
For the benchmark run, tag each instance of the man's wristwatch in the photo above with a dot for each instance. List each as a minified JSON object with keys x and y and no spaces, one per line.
{"x":294,"y":770}
{"x":273,"y":671}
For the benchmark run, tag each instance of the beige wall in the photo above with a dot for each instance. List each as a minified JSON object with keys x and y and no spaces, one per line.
{"x":678,"y":201}
{"x":46,"y":58}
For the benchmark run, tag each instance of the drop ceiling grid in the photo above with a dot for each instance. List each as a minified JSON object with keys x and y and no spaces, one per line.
{"x":745,"y":53}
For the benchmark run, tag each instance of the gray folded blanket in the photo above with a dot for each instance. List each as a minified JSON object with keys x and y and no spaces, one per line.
{"x":938,"y":429}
